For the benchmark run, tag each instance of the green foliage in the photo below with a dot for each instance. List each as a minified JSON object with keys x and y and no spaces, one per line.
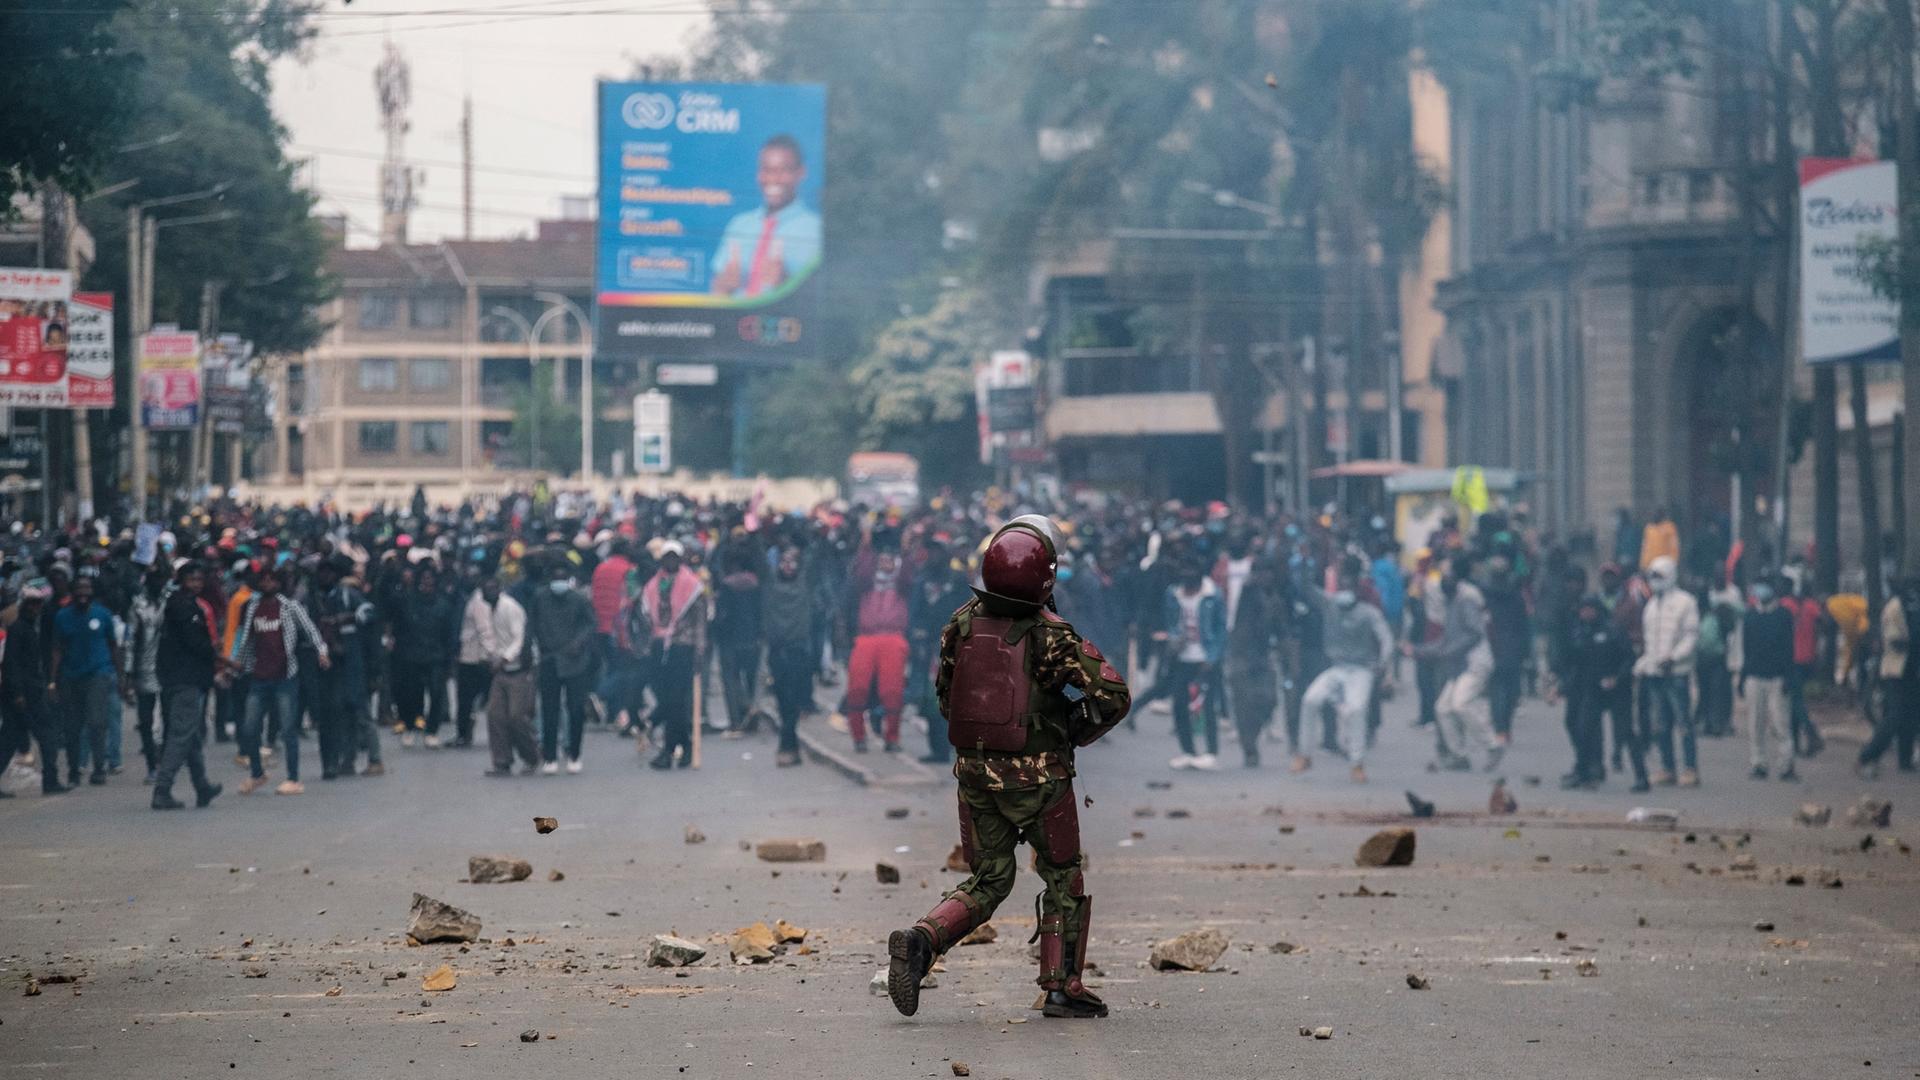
{"x":64,"y":73}
{"x":201,"y":114}
{"x":914,"y":389}
{"x":804,"y":423}
{"x":558,"y":427}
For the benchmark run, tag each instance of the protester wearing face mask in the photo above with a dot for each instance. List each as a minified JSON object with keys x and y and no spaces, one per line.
{"x":1670,"y":631}
{"x":1358,"y":644}
{"x":561,"y":622}
{"x":1767,"y":661}
{"x":1598,"y":659}
{"x":1194,"y":621}
{"x":672,"y":618}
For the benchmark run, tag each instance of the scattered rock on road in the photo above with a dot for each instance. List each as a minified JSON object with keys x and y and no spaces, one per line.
{"x":886,"y":873}
{"x":545,"y":825}
{"x":786,"y":933}
{"x":1870,"y":813}
{"x":1813,"y":815}
{"x":1417,"y":982}
{"x":960,"y":1069}
{"x":440,"y":979}
{"x":878,"y":984}
{"x":1284,"y":948}
{"x":800,"y":849}
{"x":898,"y":812}
{"x":694,"y":836}
{"x":1418,"y":807}
{"x":1195,"y":950}
{"x":667,"y":950}
{"x":1388,"y":847}
{"x":494,"y":869}
{"x":752,"y":944}
{"x":1764,"y":926}
{"x":433,"y":920}
{"x":1587,"y":968}
{"x":530,"y":1035}
{"x":957,"y":860}
{"x":1500,"y":801}
{"x":1323,"y":1033}
{"x":555,"y":875}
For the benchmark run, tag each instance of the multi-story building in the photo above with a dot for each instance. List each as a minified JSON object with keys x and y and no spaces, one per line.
{"x":1613,"y":302}
{"x":427,"y":348}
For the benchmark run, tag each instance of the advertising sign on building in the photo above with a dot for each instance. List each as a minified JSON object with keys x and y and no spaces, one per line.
{"x":169,"y":380}
{"x":34,"y":329}
{"x":710,"y":237}
{"x":652,"y":433}
{"x":1846,"y":205}
{"x":1003,"y":401}
{"x":226,"y":374}
{"x":90,"y":351}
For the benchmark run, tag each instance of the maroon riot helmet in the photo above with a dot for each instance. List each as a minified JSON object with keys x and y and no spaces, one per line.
{"x":1017,"y":569}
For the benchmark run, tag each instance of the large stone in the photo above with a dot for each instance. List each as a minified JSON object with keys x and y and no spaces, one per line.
{"x":1388,"y":847}
{"x":432,"y":920}
{"x":667,"y":950}
{"x":752,"y":944}
{"x":957,"y":860}
{"x":886,"y":873}
{"x":788,"y":934}
{"x":545,"y":825}
{"x":440,"y":979}
{"x":800,"y":849}
{"x":493,"y":869}
{"x":1195,"y":950}
{"x":1870,"y":813}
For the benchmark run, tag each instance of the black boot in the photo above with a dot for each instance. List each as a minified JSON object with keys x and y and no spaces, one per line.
{"x":911,"y":954}
{"x":207,"y":794}
{"x":165,"y":801}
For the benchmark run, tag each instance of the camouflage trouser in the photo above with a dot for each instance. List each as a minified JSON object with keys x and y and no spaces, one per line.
{"x":992,"y":823}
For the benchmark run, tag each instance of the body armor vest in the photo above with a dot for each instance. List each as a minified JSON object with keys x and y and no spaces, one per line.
{"x":993,"y":703}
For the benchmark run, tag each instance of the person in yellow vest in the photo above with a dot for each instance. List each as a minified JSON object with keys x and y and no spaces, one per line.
{"x":1849,"y":612}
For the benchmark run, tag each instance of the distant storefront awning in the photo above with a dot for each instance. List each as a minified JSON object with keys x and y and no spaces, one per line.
{"x":1363,"y":469}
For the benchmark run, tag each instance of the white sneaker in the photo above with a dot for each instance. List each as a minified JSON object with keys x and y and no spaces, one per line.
{"x":407,"y":740}
{"x":549,"y":768}
{"x":432,"y":742}
{"x":574,"y":766}
{"x":1206,"y":761}
{"x":1180,"y":761}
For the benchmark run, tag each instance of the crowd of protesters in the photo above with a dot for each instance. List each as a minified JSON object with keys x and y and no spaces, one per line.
{"x":542,"y":614}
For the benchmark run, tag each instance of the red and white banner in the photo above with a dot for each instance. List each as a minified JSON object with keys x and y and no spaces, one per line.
{"x":90,"y":352}
{"x":33,"y":337}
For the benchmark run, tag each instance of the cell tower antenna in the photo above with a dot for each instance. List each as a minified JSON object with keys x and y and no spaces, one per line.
{"x":393,"y":82}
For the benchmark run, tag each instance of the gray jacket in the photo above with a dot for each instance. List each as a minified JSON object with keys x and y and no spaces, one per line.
{"x":1356,"y":635}
{"x":1464,"y":630}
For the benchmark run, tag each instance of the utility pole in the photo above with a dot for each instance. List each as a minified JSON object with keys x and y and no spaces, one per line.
{"x":1907,"y":156}
{"x":139,"y":312}
{"x":466,"y":168}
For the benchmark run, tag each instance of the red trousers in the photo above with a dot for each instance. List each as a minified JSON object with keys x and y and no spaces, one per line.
{"x":882,"y":659}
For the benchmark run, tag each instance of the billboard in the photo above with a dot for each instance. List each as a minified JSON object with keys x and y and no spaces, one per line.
{"x":224,"y":381}
{"x":710,"y":238}
{"x":34,"y":327}
{"x":1845,"y":204}
{"x":90,"y":351}
{"x":169,"y":380}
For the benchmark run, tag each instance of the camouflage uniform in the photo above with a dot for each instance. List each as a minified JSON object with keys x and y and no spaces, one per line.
{"x":1007,"y":797}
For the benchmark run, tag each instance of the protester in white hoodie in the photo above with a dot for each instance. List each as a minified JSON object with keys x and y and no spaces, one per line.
{"x":1670,"y":632}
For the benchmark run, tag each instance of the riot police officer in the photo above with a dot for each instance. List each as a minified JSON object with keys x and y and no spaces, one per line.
{"x":1020,"y":690}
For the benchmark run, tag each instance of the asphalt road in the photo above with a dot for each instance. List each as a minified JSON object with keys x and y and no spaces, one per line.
{"x":205,"y":943}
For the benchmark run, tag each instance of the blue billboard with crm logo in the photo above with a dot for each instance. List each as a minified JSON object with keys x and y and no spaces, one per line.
{"x":710,"y":237}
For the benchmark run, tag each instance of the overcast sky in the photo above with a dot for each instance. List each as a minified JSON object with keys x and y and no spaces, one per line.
{"x":530,"y":66}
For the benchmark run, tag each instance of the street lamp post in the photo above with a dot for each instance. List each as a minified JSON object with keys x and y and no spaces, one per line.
{"x":143,"y":233}
{"x":560,"y":302}
{"x":532,"y":331}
